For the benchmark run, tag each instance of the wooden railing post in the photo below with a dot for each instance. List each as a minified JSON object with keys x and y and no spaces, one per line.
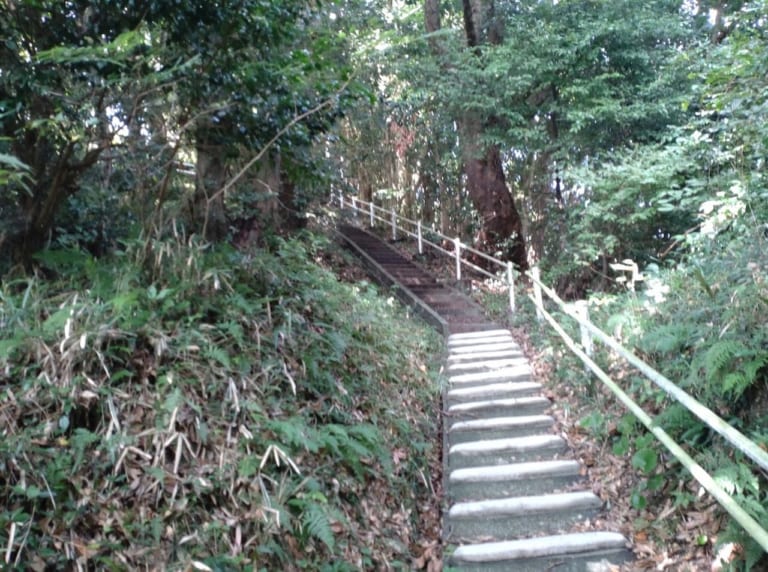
{"x":341,"y":200}
{"x":421,"y":242}
{"x":394,"y":224}
{"x":354,"y":206}
{"x":511,"y":286}
{"x":457,"y":248}
{"x":581,"y":308}
{"x":536,"y":274}
{"x":371,"y":212}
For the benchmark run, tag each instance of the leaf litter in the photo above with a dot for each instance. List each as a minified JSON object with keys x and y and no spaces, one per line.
{"x":217,"y":427}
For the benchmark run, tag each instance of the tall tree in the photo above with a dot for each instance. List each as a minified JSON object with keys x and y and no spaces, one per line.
{"x":501,"y":225}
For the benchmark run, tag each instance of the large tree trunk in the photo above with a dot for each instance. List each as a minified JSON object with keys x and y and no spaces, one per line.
{"x":502,"y":229}
{"x":208,"y":215}
{"x":56,"y":174}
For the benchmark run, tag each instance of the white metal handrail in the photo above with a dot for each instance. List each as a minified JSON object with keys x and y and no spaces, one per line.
{"x":584,"y":350}
{"x":416,"y":230}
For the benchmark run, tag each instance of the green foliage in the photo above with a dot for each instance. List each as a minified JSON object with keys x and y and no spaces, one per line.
{"x":14,"y":172}
{"x":205,"y":391}
{"x":107,"y":106}
{"x":700,"y":324}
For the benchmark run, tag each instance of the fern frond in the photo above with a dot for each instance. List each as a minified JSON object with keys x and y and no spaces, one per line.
{"x":367,"y":433}
{"x":217,"y":354}
{"x":295,"y":433}
{"x":735,"y":383}
{"x":727,"y":477}
{"x":316,"y":523}
{"x":720,"y":356}
{"x":668,"y":338}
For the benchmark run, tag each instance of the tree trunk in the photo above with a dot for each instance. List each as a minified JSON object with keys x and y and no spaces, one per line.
{"x":56,"y":173}
{"x":208,"y":215}
{"x":502,"y":229}
{"x":291,"y":217}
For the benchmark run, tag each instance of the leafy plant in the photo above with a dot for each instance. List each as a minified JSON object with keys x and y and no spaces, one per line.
{"x":178,"y":379}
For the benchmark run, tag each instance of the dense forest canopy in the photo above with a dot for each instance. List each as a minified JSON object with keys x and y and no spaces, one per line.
{"x":571,"y":134}
{"x":157,"y":156}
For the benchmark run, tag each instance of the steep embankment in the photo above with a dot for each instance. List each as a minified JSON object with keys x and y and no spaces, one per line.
{"x":180,"y":406}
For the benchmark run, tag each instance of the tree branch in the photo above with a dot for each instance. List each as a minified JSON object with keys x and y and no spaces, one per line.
{"x":239,"y":175}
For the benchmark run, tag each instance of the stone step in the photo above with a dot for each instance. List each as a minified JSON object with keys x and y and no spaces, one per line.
{"x":515,"y":479}
{"x":502,"y":407}
{"x":505,"y":451}
{"x":509,"y":518}
{"x":492,"y":345}
{"x":473,"y":326}
{"x":498,"y":428}
{"x":485,"y":356}
{"x":487,"y":365}
{"x":575,"y":552}
{"x":519,"y":372}
{"x":455,"y":339}
{"x":494,"y":390}
{"x":495,"y":444}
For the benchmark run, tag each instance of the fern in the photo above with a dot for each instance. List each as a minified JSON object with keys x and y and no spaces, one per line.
{"x":735,"y":383}
{"x":295,"y":433}
{"x":753,"y":552}
{"x":721,"y":356}
{"x":727,"y":477}
{"x":351,"y":444}
{"x":219,"y":355}
{"x":315,"y":522}
{"x":734,"y":365}
{"x":668,"y":338}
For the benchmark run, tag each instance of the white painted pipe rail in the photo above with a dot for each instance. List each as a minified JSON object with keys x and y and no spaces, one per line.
{"x":585,"y":351}
{"x":713,"y":421}
{"x":415,"y":229}
{"x":757,"y":532}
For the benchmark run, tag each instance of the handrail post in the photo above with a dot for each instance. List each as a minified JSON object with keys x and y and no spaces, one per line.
{"x":354,"y":205}
{"x":511,"y":285}
{"x":394,"y":224}
{"x":457,"y":248}
{"x":581,"y":307}
{"x":341,"y":200}
{"x":370,"y":210}
{"x":421,"y":244}
{"x":537,"y":293}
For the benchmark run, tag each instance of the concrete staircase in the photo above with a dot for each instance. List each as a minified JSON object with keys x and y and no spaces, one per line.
{"x":513,"y":489}
{"x":514,"y":492}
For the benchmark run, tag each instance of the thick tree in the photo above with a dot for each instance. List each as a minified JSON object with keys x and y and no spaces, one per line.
{"x":55,"y":95}
{"x":501,"y":226}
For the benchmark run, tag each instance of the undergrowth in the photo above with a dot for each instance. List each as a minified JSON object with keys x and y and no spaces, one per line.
{"x":181,"y":405}
{"x":702,"y":325}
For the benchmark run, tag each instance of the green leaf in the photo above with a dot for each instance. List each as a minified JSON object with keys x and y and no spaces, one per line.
{"x":645,"y":460}
{"x":13,"y":162}
{"x":248,"y":466}
{"x":32,"y":492}
{"x":621,"y":447}
{"x":656,"y":482}
{"x":638,"y":501}
{"x":217,"y":354}
{"x":11,"y":345}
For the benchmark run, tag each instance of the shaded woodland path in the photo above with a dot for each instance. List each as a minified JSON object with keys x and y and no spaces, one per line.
{"x":515,"y":496}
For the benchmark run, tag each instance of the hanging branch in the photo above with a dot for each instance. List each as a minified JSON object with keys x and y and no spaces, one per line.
{"x":239,"y":175}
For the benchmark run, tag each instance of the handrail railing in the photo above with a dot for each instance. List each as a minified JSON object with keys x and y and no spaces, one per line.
{"x":584,"y":350}
{"x":416,"y":230}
